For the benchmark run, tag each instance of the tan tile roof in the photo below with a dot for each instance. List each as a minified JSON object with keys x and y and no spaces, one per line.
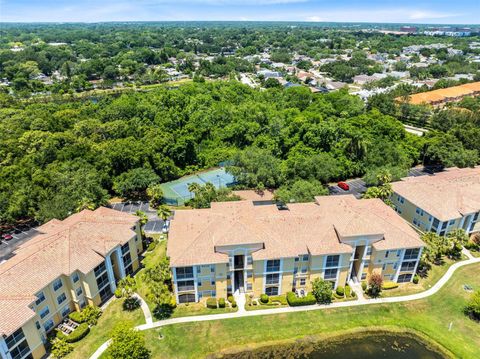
{"x":79,"y":242}
{"x":445,"y":94}
{"x":446,"y":195}
{"x":252,"y":195}
{"x":314,"y":228}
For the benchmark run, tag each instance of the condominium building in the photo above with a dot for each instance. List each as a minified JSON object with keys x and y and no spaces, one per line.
{"x":70,"y":264}
{"x":261,"y":248}
{"x":440,"y":203}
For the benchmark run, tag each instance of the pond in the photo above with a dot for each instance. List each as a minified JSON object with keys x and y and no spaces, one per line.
{"x":366,"y":346}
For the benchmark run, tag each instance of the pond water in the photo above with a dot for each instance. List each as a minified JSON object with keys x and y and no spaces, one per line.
{"x":367,"y":346}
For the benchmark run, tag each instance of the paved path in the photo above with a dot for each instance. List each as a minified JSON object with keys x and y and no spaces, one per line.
{"x":145,"y":309}
{"x":240,"y":314}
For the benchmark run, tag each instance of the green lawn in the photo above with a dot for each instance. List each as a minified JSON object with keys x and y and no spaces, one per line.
{"x":431,"y":317}
{"x":183,"y":310}
{"x":433,"y":276}
{"x":100,"y":333}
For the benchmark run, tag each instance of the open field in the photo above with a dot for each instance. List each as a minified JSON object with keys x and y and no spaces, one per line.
{"x":431,"y":317}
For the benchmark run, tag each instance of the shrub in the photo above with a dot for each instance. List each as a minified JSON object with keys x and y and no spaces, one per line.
{"x":151,"y":246}
{"x":348,"y":291}
{"x":278,"y":299}
{"x":230,"y":298}
{"x":375,"y":284}
{"x":90,"y":314}
{"x":295,"y":301}
{"x":221,"y":303}
{"x":60,"y":348}
{"x":322,"y":290}
{"x":472,"y":308}
{"x":234,"y":304}
{"x":163,"y":311}
{"x":353,"y":294}
{"x":131,"y":303}
{"x":335,"y":295}
{"x":416,"y":278}
{"x":340,"y":291}
{"x":76,"y":317}
{"x":389,"y":285}
{"x":264,"y":298}
{"x":364,"y":285}
{"x":79,"y":333}
{"x":118,"y":293}
{"x":212,"y":303}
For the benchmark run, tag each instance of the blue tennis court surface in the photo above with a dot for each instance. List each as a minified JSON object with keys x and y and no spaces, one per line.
{"x":177,"y":193}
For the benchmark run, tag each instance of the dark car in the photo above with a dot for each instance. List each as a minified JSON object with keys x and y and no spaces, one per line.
{"x":344,"y":186}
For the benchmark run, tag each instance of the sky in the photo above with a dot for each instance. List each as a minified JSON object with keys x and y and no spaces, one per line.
{"x":403,"y":11}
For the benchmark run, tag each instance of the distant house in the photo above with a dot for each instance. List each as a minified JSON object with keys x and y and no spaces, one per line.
{"x":267,"y":74}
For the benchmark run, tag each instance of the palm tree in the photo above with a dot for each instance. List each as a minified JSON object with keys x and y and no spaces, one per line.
{"x":164,"y":212}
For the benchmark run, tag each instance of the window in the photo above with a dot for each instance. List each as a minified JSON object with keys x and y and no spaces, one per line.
{"x":271,"y":291}
{"x":48,"y":325}
{"x":57,"y":284}
{"x":305,"y":257}
{"x":330,"y":274}
{"x":272,"y":279}
{"x":384,"y":266}
{"x":369,"y":250}
{"x":127,"y":260}
{"x":79,"y":291}
{"x":212,"y":269}
{"x":199,"y":282}
{"x":37,"y":324}
{"x":186,"y":298}
{"x":408,"y":266}
{"x":403,"y":278}
{"x":65,"y":311}
{"x":387,"y":253}
{"x":61,"y":298}
{"x":44,"y":312}
{"x":332,"y":261}
{"x":125,"y":248}
{"x":297,"y":259}
{"x":364,"y":276}
{"x":15,"y":338}
{"x":249,"y":274}
{"x":249,"y":260}
{"x":40,"y":298}
{"x":212,"y":282}
{"x":395,"y":266}
{"x":435,"y":224}
{"x":249,"y":286}
{"x":273,"y":265}
{"x":199,"y":270}
{"x":302,"y":281}
{"x":186,"y":285}
{"x":184,"y":272}
{"x":100,"y":269}
{"x":105,"y":293}
{"x":75,"y":277}
{"x":411,"y":253}
{"x":304,"y":270}
{"x":419,"y":211}
{"x":399,"y":252}
{"x":415,"y":222}
{"x":20,"y":351}
{"x":103,"y":281}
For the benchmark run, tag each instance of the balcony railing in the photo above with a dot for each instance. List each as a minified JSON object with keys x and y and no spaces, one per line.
{"x":186,"y":288}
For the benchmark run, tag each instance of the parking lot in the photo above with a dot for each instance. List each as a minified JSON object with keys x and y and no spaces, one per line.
{"x":154,"y":224}
{"x":358,"y":186}
{"x":19,"y":235}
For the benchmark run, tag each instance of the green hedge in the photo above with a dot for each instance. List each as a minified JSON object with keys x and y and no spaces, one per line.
{"x":230,"y":298}
{"x":264,"y":298}
{"x":212,"y":303}
{"x":416,"y":278}
{"x":389,"y":285}
{"x":234,"y":304}
{"x":79,"y":333}
{"x":364,"y":285}
{"x":340,"y":291}
{"x":278,"y":299}
{"x":348,"y":291}
{"x":338,"y":296}
{"x":152,"y":246}
{"x":221,"y":303}
{"x":76,"y":317}
{"x":295,"y":301}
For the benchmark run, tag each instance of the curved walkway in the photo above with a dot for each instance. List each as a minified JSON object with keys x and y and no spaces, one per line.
{"x":239,"y":314}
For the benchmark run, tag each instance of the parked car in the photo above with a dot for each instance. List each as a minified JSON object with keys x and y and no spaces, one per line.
{"x":344,"y":186}
{"x":7,"y":237}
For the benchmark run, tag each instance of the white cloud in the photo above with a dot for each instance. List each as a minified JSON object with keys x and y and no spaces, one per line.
{"x":422,"y":15}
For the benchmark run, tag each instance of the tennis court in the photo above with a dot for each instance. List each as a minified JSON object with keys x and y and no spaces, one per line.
{"x":177,"y":193}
